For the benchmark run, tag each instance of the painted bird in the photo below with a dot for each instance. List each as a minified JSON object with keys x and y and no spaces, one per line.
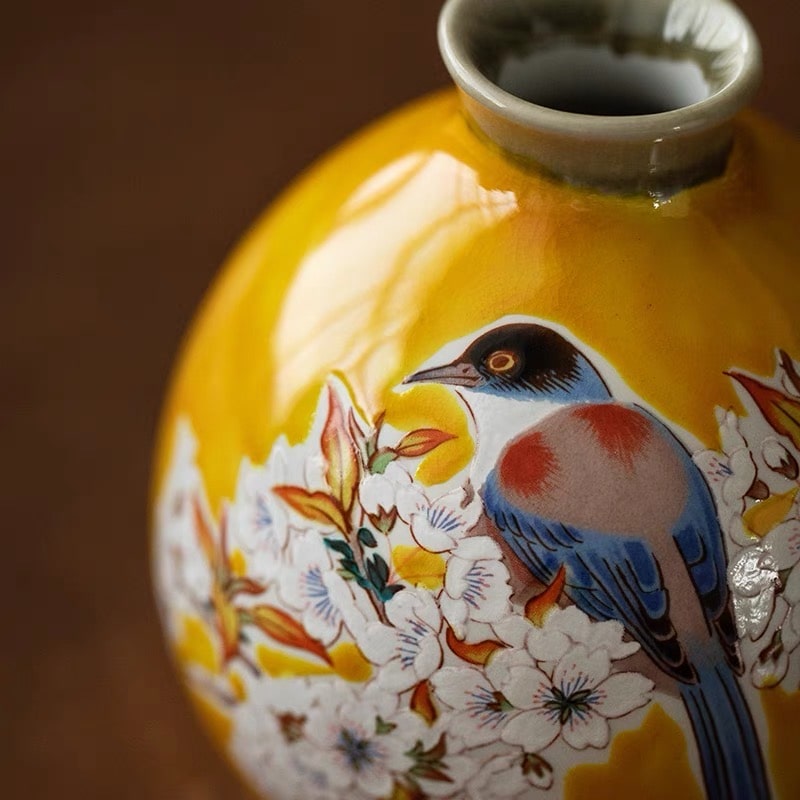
{"x":572,"y":477}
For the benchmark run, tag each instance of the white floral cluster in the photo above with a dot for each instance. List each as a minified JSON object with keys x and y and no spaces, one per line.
{"x":463,"y":688}
{"x":756,"y":467}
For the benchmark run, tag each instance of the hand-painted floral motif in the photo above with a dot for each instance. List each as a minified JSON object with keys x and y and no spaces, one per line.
{"x":405,"y":677}
{"x":575,"y":701}
{"x":370,"y":636}
{"x":755,"y":481}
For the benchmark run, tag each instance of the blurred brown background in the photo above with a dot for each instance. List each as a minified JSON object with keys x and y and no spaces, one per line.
{"x":137,"y":141}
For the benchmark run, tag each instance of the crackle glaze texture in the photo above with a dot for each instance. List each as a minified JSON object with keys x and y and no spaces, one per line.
{"x":473,"y":485}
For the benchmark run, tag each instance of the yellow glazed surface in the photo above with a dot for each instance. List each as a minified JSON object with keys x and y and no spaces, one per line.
{"x":417,"y":233}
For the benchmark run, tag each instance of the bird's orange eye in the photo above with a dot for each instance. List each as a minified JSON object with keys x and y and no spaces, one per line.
{"x":502,"y":362}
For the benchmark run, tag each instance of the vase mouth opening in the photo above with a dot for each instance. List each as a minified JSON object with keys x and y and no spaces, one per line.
{"x":611,"y":69}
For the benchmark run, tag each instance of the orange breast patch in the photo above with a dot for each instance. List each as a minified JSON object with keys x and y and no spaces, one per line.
{"x":621,"y":432}
{"x":529,"y":465}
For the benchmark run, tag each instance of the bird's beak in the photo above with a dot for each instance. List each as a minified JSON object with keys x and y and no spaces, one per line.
{"x":459,"y":373}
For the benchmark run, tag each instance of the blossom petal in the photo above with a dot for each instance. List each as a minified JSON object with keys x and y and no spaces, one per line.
{"x":428,"y":536}
{"x":533,"y":730}
{"x":575,"y":624}
{"x":429,"y":657}
{"x":410,"y":500}
{"x":375,"y":782}
{"x":412,"y":604}
{"x":378,"y":642}
{"x":455,"y":686}
{"x":791,"y":588}
{"x":498,"y":666}
{"x":476,"y":548}
{"x":547,"y":645}
{"x":500,"y":777}
{"x":513,"y":630}
{"x":456,"y":613}
{"x":397,"y":676}
{"x":586,"y":730}
{"x":580,"y":669}
{"x":621,"y":693}
{"x":522,"y":684}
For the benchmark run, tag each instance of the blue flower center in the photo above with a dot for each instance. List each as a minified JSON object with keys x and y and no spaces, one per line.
{"x":477,"y":580}
{"x":443,"y":519}
{"x":490,"y":707}
{"x":359,"y":753}
{"x":410,"y":641}
{"x":263,"y":515}
{"x":317,"y":593}
{"x":570,"y":700}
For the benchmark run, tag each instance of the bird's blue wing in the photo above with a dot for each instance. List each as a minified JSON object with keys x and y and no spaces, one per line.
{"x":699,"y":538}
{"x":609,"y":578}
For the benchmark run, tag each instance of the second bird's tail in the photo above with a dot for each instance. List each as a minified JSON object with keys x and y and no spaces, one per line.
{"x":733,"y":768}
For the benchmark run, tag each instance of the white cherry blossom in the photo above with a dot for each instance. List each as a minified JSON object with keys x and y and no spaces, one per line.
{"x":378,"y":493}
{"x":755,"y":575}
{"x":476,"y":585}
{"x":562,"y":629}
{"x":408,"y":650}
{"x":269,"y":736}
{"x":730,"y":475}
{"x":437,"y":525}
{"x":260,"y":520}
{"x":575,"y":701}
{"x":511,"y":776}
{"x":778,"y":458}
{"x":183,"y":571}
{"x":480,"y":711}
{"x":310,"y":583}
{"x":359,"y":746}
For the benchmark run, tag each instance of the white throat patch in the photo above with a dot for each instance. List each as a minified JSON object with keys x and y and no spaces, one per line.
{"x":496,"y":421}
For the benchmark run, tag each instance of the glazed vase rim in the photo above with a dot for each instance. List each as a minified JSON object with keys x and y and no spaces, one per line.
{"x":711,"y":37}
{"x":718,"y":107}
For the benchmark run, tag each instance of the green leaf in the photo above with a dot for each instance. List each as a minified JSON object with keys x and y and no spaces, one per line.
{"x":390,"y":591}
{"x":375,"y":578}
{"x":340,"y":546}
{"x":382,"y":567}
{"x":382,"y":727}
{"x":428,"y":763}
{"x":381,"y":460}
{"x":366,"y":537}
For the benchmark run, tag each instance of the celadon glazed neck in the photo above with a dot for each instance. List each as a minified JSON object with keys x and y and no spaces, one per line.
{"x":625,"y":96}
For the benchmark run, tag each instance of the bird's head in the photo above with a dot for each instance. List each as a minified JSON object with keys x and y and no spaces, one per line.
{"x":521,"y":361}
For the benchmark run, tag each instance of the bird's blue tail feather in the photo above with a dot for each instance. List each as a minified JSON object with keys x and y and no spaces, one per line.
{"x":726,"y":737}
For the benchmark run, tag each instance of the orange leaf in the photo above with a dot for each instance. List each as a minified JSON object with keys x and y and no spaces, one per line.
{"x":316,"y":506}
{"x":340,"y":454}
{"x":422,"y":702}
{"x":227,"y":620}
{"x":205,"y":535}
{"x":354,"y":427}
{"x":245,"y":585}
{"x":407,"y":791}
{"x":278,"y":625}
{"x":781,"y":411}
{"x":473,"y":653}
{"x":537,"y":608}
{"x":420,"y":442}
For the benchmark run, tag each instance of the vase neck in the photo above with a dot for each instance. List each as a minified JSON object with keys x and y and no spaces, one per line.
{"x":625,"y":96}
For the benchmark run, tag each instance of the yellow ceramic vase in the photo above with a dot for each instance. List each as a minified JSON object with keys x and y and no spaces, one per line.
{"x":478,"y":474}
